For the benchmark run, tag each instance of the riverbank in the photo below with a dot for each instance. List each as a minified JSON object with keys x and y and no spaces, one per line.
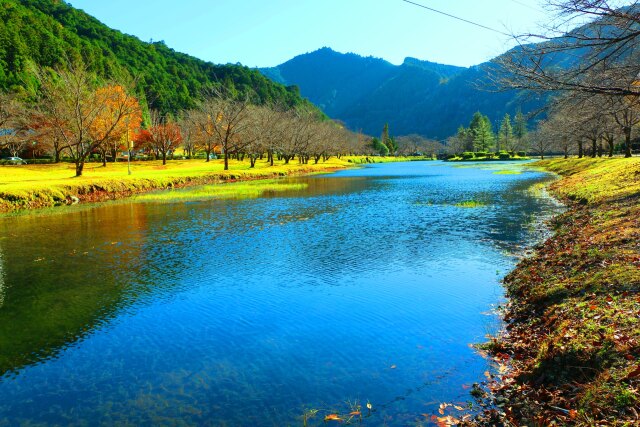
{"x":571,"y":350}
{"x":26,"y":187}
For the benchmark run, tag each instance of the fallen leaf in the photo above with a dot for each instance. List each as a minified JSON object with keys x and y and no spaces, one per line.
{"x":354,"y":413}
{"x":333,"y":417}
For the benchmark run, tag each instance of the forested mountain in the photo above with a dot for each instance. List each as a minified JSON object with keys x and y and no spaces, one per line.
{"x":51,"y":32}
{"x":415,"y":97}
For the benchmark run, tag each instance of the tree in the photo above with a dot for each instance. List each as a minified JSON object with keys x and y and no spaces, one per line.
{"x":482,"y":132}
{"x":379,"y":147}
{"x":14,"y":132}
{"x":224,"y":117}
{"x":119,"y":133}
{"x":505,"y":135}
{"x":519,"y":132}
{"x":543,"y":139}
{"x":568,"y":56}
{"x":163,"y":135}
{"x":388,"y":140}
{"x":76,"y":105}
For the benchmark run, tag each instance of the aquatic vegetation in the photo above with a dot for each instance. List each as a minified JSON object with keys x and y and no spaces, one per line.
{"x":240,"y":190}
{"x":471,"y":204}
{"x":508,"y":172}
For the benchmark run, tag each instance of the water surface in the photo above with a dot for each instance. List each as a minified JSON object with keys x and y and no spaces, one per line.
{"x":367,"y":286}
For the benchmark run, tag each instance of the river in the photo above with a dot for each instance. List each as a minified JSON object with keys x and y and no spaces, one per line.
{"x":368,"y":286}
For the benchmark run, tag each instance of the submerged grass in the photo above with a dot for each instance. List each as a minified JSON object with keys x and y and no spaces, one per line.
{"x":239,"y":190}
{"x":573,"y":335}
{"x":471,"y":204}
{"x":508,"y":172}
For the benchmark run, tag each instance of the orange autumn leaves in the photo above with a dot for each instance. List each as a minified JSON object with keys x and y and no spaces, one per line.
{"x":107,"y":125}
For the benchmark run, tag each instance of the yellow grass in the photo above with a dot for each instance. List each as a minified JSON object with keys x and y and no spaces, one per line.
{"x":33,"y":186}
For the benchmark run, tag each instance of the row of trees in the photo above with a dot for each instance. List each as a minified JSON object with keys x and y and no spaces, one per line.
{"x":78,"y":115}
{"x":480,"y":137}
{"x":593,"y":70}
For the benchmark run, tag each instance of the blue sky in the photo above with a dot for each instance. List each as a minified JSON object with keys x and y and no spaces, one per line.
{"x":267,"y":33}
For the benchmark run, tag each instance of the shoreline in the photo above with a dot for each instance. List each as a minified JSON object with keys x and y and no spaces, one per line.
{"x":50,"y":186}
{"x":571,"y":349}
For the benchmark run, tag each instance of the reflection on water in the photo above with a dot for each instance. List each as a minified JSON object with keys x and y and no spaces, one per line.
{"x":1,"y":280}
{"x":369,"y":285}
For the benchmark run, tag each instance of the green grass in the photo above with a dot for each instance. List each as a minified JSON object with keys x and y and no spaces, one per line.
{"x":238,"y":190}
{"x":471,"y":204}
{"x":574,"y":329}
{"x":508,"y":172}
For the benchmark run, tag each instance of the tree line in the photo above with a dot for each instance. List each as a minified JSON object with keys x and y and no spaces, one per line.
{"x":593,"y":71}
{"x":479,"y":136}
{"x":78,"y":115}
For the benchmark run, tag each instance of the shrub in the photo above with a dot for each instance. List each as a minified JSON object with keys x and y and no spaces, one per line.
{"x":468,"y":155}
{"x":522,"y":154}
{"x":481,"y":154}
{"x":504,"y":156}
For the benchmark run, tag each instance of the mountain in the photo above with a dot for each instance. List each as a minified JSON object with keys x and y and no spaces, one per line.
{"x":51,"y":33}
{"x":417,"y":96}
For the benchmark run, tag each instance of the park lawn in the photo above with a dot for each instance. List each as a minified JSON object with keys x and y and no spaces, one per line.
{"x":572,"y":343}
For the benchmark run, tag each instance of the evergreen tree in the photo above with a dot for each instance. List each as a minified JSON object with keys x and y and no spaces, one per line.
{"x":388,"y":140}
{"x":379,"y":147}
{"x":520,"y":130}
{"x":505,"y":136}
{"x":482,"y":132}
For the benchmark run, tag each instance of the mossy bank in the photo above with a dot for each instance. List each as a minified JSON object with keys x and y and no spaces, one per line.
{"x":572,"y":342}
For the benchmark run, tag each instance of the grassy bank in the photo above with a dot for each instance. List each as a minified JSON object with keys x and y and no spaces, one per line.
{"x":39,"y":186}
{"x":573,"y":321}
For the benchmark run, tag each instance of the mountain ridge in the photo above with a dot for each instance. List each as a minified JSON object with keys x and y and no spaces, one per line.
{"x":49,"y":32}
{"x":417,"y":96}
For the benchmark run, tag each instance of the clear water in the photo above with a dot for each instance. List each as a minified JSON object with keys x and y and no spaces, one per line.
{"x":369,"y":285}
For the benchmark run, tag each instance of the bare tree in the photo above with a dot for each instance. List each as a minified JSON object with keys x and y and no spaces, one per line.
{"x":224,"y":118}
{"x":164,"y":135}
{"x":76,"y":106}
{"x":605,"y":37}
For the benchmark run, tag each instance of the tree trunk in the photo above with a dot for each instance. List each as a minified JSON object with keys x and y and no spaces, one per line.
{"x":610,"y":147}
{"x":594,"y":147}
{"x":164,"y":158}
{"x":580,"y":149}
{"x":252,"y":160}
{"x":600,"y":148}
{"x":226,"y":160}
{"x":627,"y":142}
{"x":79,"y":167}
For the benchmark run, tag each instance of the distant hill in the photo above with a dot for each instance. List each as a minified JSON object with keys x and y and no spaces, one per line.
{"x":415,"y":97}
{"x":48,"y":32}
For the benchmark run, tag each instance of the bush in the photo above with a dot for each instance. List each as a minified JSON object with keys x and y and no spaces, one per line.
{"x":44,"y":161}
{"x":504,"y":156}
{"x":467,"y":155}
{"x":522,"y":154}
{"x":481,"y":154}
